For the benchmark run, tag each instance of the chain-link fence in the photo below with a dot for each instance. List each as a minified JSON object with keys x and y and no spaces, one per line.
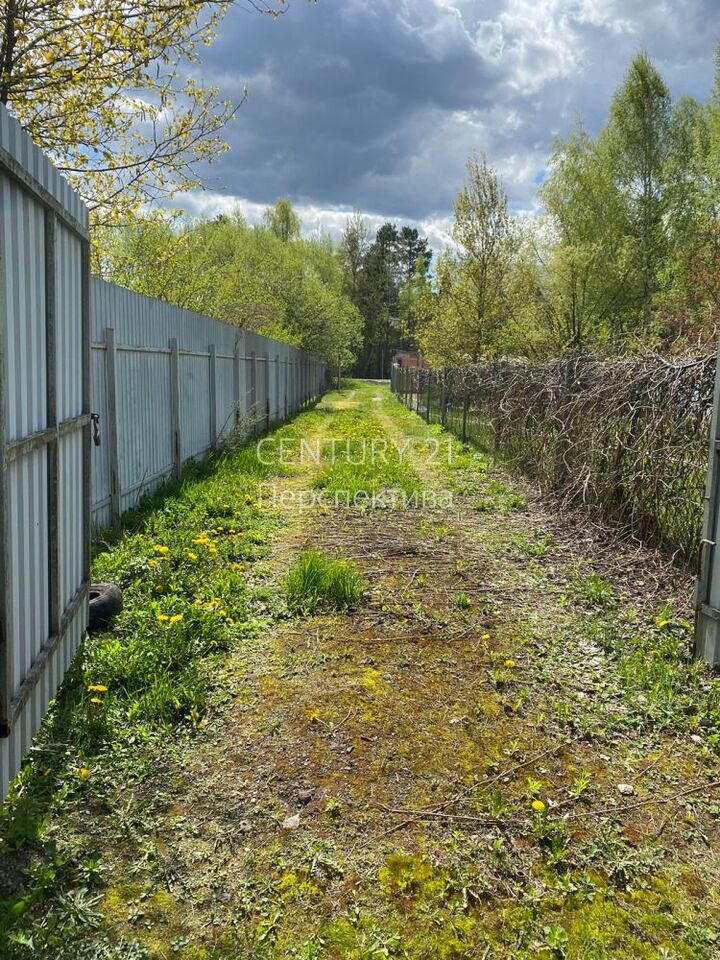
{"x":626,"y":438}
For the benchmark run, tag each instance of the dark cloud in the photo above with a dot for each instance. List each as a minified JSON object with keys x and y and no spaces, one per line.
{"x":377,"y":104}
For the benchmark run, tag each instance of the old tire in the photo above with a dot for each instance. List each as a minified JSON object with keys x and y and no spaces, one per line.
{"x":106,"y":601}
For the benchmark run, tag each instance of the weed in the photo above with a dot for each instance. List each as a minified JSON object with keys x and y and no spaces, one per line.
{"x":315,"y":580}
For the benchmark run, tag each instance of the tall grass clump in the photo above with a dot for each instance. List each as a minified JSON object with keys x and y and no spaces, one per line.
{"x":315,"y":580}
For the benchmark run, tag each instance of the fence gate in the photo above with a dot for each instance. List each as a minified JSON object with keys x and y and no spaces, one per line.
{"x":44,"y":436}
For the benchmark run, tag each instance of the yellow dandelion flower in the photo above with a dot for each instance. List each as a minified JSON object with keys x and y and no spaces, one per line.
{"x":538,"y":806}
{"x":191,"y":555}
{"x":159,"y":548}
{"x":222,"y":613}
{"x":485,"y":636}
{"x":97,"y":688}
{"x":510,"y":664}
{"x":163,"y":618}
{"x":152,"y":563}
{"x":95,"y":700}
{"x":229,"y":621}
{"x":176,"y":618}
{"x":84,"y":773}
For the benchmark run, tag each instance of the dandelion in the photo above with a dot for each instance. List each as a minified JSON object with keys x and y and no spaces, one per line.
{"x":95,"y":700}
{"x":97,"y":688}
{"x":538,"y":806}
{"x":191,"y":555}
{"x":485,"y":636}
{"x":222,"y":613}
{"x":176,"y":618}
{"x":510,"y":664}
{"x":229,"y":621}
{"x":163,"y":618}
{"x":152,"y":563}
{"x":84,"y":773}
{"x":159,"y":548}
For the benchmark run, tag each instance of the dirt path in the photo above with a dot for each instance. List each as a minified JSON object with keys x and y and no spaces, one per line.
{"x":479,"y":760}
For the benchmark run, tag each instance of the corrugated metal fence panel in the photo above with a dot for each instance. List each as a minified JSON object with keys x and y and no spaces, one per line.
{"x":194,"y":404}
{"x":143,"y":329}
{"x":143,"y":427}
{"x":43,"y":588}
{"x":102,"y":516}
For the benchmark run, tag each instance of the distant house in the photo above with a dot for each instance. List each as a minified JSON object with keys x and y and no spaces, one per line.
{"x":408,"y":358}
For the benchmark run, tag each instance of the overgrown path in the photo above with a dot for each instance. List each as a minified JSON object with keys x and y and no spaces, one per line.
{"x":502,"y":751}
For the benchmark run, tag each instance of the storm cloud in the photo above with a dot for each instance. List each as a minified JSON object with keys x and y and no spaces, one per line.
{"x":376,"y":105}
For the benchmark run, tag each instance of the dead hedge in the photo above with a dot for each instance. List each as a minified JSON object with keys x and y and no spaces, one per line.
{"x":625,"y":438}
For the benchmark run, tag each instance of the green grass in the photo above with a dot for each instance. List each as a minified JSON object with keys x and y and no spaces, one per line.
{"x":315,"y":580}
{"x":363,"y":460}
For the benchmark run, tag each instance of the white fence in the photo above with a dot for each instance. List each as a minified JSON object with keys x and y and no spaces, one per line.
{"x":44,"y":428}
{"x":169,"y":385}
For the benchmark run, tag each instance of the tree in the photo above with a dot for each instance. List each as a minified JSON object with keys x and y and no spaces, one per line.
{"x":484,"y":232}
{"x":282,"y":220}
{"x":353,"y":248}
{"x":102,"y":86}
{"x":589,"y":276}
{"x":411,"y":247}
{"x":639,"y":141}
{"x":243,"y":275}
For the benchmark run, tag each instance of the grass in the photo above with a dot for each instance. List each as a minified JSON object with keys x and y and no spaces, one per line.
{"x":316,"y":581}
{"x":363,"y":461}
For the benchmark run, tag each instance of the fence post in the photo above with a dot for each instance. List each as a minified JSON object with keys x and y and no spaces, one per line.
{"x":443,"y":398}
{"x":267,"y":390}
{"x":212,"y":381}
{"x":253,"y":390}
{"x":277,"y":386}
{"x":53,"y":451}
{"x":707,"y":615}
{"x":286,"y":382}
{"x":175,"y":437}
{"x":466,"y":400}
{"x":236,"y":379}
{"x":429,"y":396}
{"x":111,"y":427}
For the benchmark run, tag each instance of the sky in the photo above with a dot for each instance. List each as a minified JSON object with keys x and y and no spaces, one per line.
{"x":375,"y":105}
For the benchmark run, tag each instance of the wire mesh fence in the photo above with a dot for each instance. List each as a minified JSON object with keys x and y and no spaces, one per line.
{"x":627,"y":439}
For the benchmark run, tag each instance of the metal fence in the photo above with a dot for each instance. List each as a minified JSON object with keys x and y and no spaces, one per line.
{"x":169,"y":385}
{"x":625,"y":439}
{"x":44,"y":429}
